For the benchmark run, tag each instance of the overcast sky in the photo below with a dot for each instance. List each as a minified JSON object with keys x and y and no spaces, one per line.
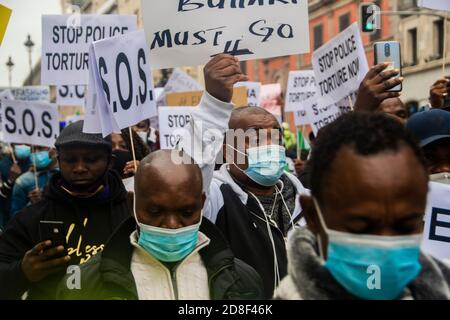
{"x":25,"y":19}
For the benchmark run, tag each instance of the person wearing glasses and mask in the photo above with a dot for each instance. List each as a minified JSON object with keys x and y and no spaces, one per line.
{"x":369,"y":185}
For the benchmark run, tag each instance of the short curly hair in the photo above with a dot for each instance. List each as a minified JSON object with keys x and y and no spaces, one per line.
{"x":366,"y":134}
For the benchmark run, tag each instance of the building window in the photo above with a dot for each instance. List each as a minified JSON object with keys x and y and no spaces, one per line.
{"x":412,"y":46}
{"x":318,"y":36}
{"x":438,"y":39}
{"x":344,"y":21}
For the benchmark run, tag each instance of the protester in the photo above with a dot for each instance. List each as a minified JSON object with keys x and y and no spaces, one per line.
{"x":9,"y":172}
{"x":254,"y":204}
{"x":173,"y":253}
{"x":86,"y":196}
{"x":364,"y":217}
{"x":148,"y":134}
{"x":395,"y":108}
{"x":432,"y":129}
{"x":123,"y":156}
{"x":25,"y":190}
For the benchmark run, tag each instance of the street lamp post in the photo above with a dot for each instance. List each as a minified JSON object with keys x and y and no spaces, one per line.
{"x":30,"y":44}
{"x":10,"y":66}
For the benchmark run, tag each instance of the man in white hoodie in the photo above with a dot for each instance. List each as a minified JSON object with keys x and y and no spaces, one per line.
{"x":252,"y":201}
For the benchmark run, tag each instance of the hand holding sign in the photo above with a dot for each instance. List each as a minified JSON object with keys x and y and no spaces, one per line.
{"x":374,"y":88}
{"x":221,"y":73}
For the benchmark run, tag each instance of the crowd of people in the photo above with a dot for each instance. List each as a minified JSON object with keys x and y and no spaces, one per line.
{"x":140,"y":225}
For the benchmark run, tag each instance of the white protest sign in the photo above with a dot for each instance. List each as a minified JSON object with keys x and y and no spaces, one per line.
{"x":65,"y":48}
{"x":4,"y":95}
{"x":443,"y":5}
{"x":30,"y":122}
{"x":123,"y":81}
{"x":190,"y":32}
{"x":339,"y":66}
{"x":253,"y":92}
{"x":172,"y":120}
{"x":318,"y":116}
{"x":70,"y":95}
{"x":179,"y":81}
{"x":436,"y":233}
{"x":29,"y":93}
{"x":301,"y":86}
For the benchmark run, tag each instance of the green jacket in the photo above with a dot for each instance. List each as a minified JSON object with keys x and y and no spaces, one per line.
{"x":108,"y":275}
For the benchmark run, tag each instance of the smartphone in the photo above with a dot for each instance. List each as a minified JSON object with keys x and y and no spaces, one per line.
{"x":389,"y":51}
{"x":54,"y":231}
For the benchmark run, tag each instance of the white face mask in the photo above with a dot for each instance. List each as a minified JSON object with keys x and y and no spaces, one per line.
{"x":143,"y":135}
{"x":443,"y":177}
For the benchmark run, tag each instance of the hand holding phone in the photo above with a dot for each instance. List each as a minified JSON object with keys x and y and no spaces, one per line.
{"x":389,"y":53}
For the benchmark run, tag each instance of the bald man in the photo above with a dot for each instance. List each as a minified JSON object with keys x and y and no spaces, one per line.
{"x":250,"y":199}
{"x":166,"y":251}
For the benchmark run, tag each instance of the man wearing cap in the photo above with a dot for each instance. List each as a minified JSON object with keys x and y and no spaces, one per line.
{"x":86,"y":196}
{"x":432,"y":129}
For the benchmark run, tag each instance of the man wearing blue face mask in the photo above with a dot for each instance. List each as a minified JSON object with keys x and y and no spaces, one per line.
{"x":25,"y":190}
{"x":166,"y":251}
{"x":369,"y":187}
{"x":250,"y":198}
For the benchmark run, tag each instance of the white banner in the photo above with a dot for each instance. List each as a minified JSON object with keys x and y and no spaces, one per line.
{"x":70,"y":95}
{"x":29,"y":93}
{"x":172,"y":120}
{"x":122,"y":85}
{"x":30,"y":122}
{"x":339,"y":66}
{"x":65,"y":48}
{"x":253,"y":92}
{"x":443,"y":5}
{"x":436,"y":233}
{"x":190,"y":32}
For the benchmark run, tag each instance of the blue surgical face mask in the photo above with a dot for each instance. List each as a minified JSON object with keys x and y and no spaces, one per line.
{"x":41,"y":159}
{"x":265,"y":164}
{"x":22,"y":151}
{"x":371,"y":267}
{"x":168,"y":245}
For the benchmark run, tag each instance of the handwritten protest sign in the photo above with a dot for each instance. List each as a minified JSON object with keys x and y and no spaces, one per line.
{"x":339,"y":66}
{"x":70,"y":95}
{"x":190,"y":32}
{"x":29,"y":122}
{"x":436,"y":234}
{"x":5,"y":14}
{"x":253,"y":92}
{"x":193,"y":98}
{"x":435,"y":4}
{"x":29,"y":93}
{"x":65,"y":48}
{"x":122,"y":84}
{"x":171,"y":122}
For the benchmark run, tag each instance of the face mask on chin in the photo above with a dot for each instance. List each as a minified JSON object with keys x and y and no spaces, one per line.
{"x":369,"y":266}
